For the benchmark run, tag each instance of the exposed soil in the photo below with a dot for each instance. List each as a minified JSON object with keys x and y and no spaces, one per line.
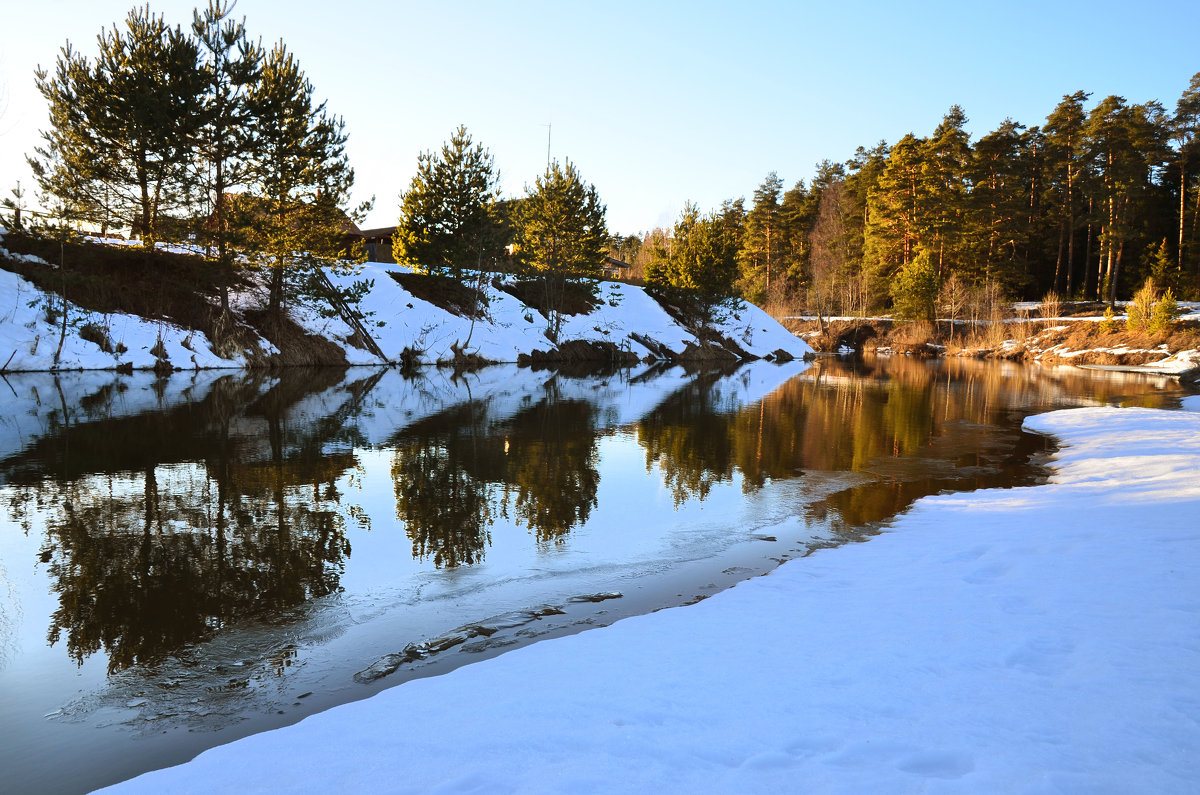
{"x":444,"y":292}
{"x":577,"y":357}
{"x":577,"y":298}
{"x":181,"y":288}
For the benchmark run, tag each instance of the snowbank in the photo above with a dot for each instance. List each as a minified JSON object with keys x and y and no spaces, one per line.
{"x":30,"y":331}
{"x":1028,"y":640}
{"x":625,"y":314}
{"x":30,"y":335}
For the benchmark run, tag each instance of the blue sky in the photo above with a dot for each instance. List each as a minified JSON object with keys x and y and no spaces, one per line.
{"x":657,"y":103}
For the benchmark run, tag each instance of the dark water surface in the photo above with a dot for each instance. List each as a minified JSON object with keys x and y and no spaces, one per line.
{"x":190,"y":560}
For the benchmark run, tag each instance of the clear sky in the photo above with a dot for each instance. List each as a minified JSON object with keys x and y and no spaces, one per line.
{"x":657,"y":103}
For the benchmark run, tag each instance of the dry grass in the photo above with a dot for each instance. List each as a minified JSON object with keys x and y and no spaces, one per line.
{"x":577,"y":297}
{"x":1079,"y":336}
{"x":444,"y":292}
{"x":989,"y":340}
{"x":1139,"y":347}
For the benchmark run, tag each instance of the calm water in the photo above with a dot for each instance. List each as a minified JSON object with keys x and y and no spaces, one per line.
{"x":190,"y":560}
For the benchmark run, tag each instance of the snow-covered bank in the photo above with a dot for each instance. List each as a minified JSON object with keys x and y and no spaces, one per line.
{"x":1026,"y":640}
{"x":626,"y":316}
{"x":33,"y":339}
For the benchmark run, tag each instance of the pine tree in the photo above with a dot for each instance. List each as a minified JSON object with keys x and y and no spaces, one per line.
{"x":295,"y":218}
{"x":1185,"y":131}
{"x":1126,"y":147}
{"x":226,"y":145}
{"x":761,"y":243}
{"x":701,"y":258}
{"x":998,"y":219}
{"x":1162,"y":317}
{"x":121,"y":127}
{"x":915,"y":289}
{"x":561,"y":234}
{"x":1065,"y":164}
{"x":1141,"y":308}
{"x":896,"y":210}
{"x":942,"y":202}
{"x":863,"y":289}
{"x":448,"y":218}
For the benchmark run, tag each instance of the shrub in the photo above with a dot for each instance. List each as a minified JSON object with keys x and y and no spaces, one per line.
{"x":1137,"y":316}
{"x":914,"y":290}
{"x":1109,"y":324}
{"x":97,"y":334}
{"x":1162,"y":317}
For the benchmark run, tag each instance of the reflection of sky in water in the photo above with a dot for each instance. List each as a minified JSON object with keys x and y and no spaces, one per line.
{"x":868,"y":440}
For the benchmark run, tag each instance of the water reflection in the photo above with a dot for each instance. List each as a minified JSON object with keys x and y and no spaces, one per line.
{"x":162,"y":527}
{"x":920,"y":426}
{"x":226,"y":498}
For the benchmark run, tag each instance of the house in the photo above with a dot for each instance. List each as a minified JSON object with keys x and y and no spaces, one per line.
{"x":379,"y":243}
{"x":613,"y":268}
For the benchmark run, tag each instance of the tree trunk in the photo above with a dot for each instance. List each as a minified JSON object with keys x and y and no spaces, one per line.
{"x":147,"y":218}
{"x":1112,"y":277}
{"x":222,"y":247}
{"x":1070,"y":251}
{"x":1182,"y":209}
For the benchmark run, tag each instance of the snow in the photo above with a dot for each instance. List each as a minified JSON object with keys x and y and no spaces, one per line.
{"x":29,"y":335}
{"x":401,"y":320}
{"x":1031,"y":640}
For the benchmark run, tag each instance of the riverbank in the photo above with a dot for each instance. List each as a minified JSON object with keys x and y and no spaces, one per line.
{"x":132,"y":310}
{"x":1079,"y":339}
{"x":1021,"y":640}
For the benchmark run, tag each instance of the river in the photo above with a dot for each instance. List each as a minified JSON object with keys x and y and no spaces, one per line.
{"x":184,"y":561}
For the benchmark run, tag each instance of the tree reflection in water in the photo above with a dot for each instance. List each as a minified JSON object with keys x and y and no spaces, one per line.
{"x":454,"y":473}
{"x":163,"y":527}
{"x":209,"y":529}
{"x":913,"y":426}
{"x":446,"y":510}
{"x":551,"y":472}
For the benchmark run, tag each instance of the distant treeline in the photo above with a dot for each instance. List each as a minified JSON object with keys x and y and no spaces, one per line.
{"x":1087,"y":205}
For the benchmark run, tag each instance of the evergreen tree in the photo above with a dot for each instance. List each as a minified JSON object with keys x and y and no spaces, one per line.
{"x":296,"y":220}
{"x":701,"y":258}
{"x":448,"y":218}
{"x":896,"y":210}
{"x":1065,"y":164}
{"x":761,"y":243}
{"x":942,"y":199}
{"x":914,"y":290}
{"x":999,"y":208}
{"x":226,"y":144}
{"x":561,"y":234}
{"x":1126,"y":147}
{"x":863,"y":173}
{"x":1185,"y":132}
{"x":121,"y":127}
{"x":796,"y":212}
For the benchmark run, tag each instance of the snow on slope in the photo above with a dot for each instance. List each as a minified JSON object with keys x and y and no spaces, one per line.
{"x":1028,"y":640}
{"x":30,"y":342}
{"x":399,"y":320}
{"x":512,"y":328}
